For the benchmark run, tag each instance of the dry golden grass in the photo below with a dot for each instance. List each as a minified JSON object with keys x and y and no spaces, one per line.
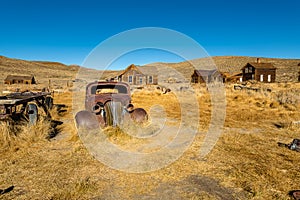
{"x":246,"y":160}
{"x":22,"y":136}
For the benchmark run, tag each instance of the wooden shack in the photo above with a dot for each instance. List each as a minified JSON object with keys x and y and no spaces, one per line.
{"x":262,"y":72}
{"x":235,"y":78}
{"x":206,"y":76}
{"x":137,"y":75}
{"x":19,"y":79}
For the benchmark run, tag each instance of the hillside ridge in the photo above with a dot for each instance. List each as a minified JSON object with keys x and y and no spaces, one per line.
{"x":287,"y":69}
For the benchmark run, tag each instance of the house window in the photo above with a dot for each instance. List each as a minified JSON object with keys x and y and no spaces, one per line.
{"x":261,"y":78}
{"x":250,"y":69}
{"x":252,"y":76}
{"x":141,"y":80}
{"x":246,"y":70}
{"x":195,"y":79}
{"x":130,"y":79}
{"x":269,"y":78}
{"x":150,"y":79}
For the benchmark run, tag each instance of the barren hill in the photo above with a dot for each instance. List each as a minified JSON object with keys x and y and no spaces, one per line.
{"x":43,"y":71}
{"x":59,"y":74}
{"x":287,"y":69}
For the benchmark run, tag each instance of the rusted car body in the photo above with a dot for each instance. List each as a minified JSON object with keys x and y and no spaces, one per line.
{"x":99,"y":93}
{"x":106,"y":105}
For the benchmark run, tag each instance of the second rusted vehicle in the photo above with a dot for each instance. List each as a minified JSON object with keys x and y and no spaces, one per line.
{"x":23,"y":106}
{"x":108,"y":104}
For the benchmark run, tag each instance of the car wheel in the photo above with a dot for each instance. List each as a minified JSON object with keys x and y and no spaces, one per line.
{"x":32,"y":112}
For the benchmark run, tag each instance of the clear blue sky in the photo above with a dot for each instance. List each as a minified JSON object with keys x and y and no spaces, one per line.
{"x":66,"y":31}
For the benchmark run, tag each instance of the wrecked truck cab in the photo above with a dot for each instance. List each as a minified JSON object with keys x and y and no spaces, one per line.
{"x":100,"y":93}
{"x":106,"y":105}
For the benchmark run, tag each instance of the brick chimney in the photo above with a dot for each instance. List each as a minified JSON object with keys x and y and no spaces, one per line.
{"x":257,"y":60}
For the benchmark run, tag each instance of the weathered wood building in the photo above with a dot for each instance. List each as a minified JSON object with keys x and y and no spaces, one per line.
{"x":18,"y":79}
{"x":235,"y":78}
{"x":136,"y":75}
{"x":262,"y":72}
{"x":206,"y":76}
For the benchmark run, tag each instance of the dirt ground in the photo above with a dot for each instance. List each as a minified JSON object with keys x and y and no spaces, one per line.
{"x":245,"y":163}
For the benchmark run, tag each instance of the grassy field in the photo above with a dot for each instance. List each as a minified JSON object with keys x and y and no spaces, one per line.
{"x":246,"y":162}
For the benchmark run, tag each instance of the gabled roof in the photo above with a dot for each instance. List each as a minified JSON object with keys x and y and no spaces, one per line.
{"x":260,"y":65}
{"x":18,"y":77}
{"x":203,"y":72}
{"x":236,"y":74}
{"x":146,"y":70}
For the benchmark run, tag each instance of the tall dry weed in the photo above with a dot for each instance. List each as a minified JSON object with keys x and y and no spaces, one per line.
{"x":14,"y":136}
{"x":8,"y":136}
{"x":37,"y":132}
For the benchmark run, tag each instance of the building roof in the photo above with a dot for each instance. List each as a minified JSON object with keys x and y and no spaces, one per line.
{"x":146,"y":70}
{"x":261,"y":65}
{"x":18,"y":77}
{"x":203,"y":72}
{"x":238,"y":74}
{"x":225,"y":74}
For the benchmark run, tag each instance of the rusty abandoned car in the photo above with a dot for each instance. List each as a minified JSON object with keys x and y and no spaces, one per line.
{"x":108,"y":104}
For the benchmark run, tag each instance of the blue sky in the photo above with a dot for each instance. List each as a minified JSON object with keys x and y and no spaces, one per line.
{"x":66,"y":31}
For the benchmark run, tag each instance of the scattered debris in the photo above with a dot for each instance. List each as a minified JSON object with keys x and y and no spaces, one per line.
{"x":295,"y":145}
{"x":163,"y":89}
{"x":243,"y":87}
{"x":296,"y":123}
{"x":9,"y":189}
{"x":280,"y":124}
{"x":183,"y":88}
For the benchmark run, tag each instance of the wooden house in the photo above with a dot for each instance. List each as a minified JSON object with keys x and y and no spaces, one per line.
{"x":262,"y":72}
{"x":136,"y":75}
{"x":19,"y":79}
{"x":235,"y":78}
{"x":206,"y":76}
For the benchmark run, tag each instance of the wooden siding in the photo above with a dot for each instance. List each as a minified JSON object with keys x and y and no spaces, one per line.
{"x":265,"y":73}
{"x":207,"y":76}
{"x":138,"y":78}
{"x":256,"y":73}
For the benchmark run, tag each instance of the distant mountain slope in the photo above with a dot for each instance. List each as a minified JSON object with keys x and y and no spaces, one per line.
{"x":287,"y":69}
{"x":41,"y":70}
{"x":58,"y":73}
